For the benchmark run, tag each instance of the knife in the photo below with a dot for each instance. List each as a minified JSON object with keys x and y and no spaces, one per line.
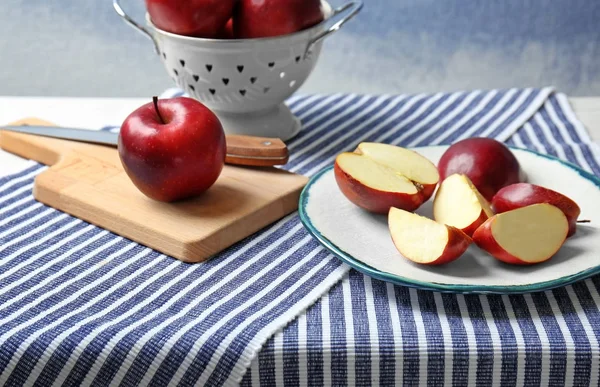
{"x":241,"y":150}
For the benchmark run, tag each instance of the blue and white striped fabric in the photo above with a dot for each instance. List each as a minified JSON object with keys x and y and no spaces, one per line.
{"x":79,"y":305}
{"x":367,"y":332}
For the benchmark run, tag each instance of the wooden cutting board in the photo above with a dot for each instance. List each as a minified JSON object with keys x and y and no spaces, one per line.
{"x":88,"y":182}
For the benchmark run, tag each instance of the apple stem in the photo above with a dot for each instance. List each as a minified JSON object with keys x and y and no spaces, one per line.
{"x":155,"y":100}
{"x":584,"y":221}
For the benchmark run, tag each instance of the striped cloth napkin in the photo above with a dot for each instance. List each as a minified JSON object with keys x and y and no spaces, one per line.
{"x":80,"y":305}
{"x":369,"y":332}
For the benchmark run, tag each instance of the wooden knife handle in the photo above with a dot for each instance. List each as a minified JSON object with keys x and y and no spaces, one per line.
{"x":255,"y":151}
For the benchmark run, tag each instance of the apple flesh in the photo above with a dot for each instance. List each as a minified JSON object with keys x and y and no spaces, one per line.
{"x":172,"y":149}
{"x":374,"y":187}
{"x":487,"y":162}
{"x":525,"y":236}
{"x":458,"y":203}
{"x":524,"y":194}
{"x":197,"y":18}
{"x":425,"y":241}
{"x":377,"y":178}
{"x":267,"y":18}
{"x":411,"y":164}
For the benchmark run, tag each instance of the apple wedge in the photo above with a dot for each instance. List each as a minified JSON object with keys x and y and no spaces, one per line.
{"x":425,"y":241}
{"x":458,"y":203}
{"x":409,"y":163}
{"x":525,"y":236}
{"x":377,"y":177}
{"x":525,"y":194}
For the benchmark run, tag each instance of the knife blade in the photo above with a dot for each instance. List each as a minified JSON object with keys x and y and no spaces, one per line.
{"x":241,"y":150}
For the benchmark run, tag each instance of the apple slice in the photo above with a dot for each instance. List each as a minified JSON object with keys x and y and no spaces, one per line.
{"x":525,"y":236}
{"x":408,"y":162}
{"x":458,"y":203}
{"x":373,"y":186}
{"x":425,"y":241}
{"x":377,"y":177}
{"x":525,"y":194}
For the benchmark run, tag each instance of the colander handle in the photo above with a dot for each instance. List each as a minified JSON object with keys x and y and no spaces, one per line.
{"x":352,"y":8}
{"x":135,"y":24}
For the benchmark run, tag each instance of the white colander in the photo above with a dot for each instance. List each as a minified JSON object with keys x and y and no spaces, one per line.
{"x":246,"y":81}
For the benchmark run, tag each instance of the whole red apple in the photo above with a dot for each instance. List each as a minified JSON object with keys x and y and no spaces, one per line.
{"x":172,"y":149}
{"x":264,"y":18}
{"x":524,"y":194}
{"x":198,"y":18}
{"x":487,"y":162}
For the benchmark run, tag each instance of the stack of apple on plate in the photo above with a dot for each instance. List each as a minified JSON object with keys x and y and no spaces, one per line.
{"x":234,"y":19}
{"x":480,"y":198}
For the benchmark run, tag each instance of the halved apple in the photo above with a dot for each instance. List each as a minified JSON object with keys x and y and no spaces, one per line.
{"x":524,"y":194}
{"x":425,"y":241}
{"x":458,"y":203}
{"x":525,"y":236}
{"x":409,"y":163}
{"x":377,"y":177}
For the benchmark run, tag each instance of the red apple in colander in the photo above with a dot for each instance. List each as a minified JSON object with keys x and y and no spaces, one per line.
{"x":198,"y":18}
{"x":266,"y":18}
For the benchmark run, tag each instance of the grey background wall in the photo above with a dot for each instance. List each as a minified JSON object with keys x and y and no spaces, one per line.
{"x":82,"y":48}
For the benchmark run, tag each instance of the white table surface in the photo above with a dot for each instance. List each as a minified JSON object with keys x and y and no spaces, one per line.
{"x":99,"y":112}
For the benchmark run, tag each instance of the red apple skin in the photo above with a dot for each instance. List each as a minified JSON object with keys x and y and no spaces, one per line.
{"x":374,"y":200}
{"x":268,"y":18}
{"x":487,"y":162}
{"x":458,"y":243}
{"x":524,"y":194}
{"x":470,"y":230}
{"x":485,"y":240}
{"x":197,"y":18}
{"x":227,"y":31}
{"x":427,"y":191}
{"x":175,"y":160}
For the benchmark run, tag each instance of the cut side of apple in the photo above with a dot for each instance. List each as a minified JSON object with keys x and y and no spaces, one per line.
{"x":373,"y":186}
{"x":377,"y":177}
{"x":524,"y":236}
{"x":411,"y":164}
{"x":524,"y":194}
{"x":423,"y":240}
{"x":458,"y":203}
